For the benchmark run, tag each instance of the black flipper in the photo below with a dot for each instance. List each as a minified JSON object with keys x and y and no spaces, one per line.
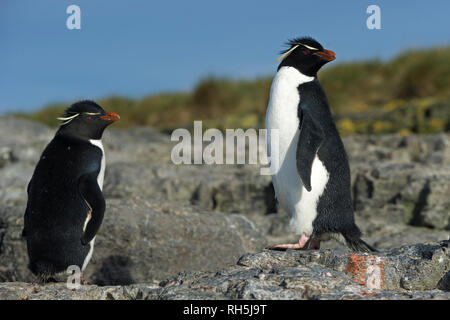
{"x":310,"y":138}
{"x":93,"y":196}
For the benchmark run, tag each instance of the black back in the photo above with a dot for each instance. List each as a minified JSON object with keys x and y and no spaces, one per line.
{"x":64,"y":189}
{"x":56,"y":211}
{"x":318,"y":133}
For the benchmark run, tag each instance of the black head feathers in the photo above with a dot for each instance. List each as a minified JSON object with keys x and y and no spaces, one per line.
{"x":308,"y":41}
{"x":86,"y":119}
{"x":83,"y":106}
{"x":305,"y":42}
{"x":305,"y":54}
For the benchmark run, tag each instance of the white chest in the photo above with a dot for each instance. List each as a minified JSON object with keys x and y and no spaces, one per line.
{"x":282,"y":111}
{"x":282,"y":115}
{"x":100,"y":177}
{"x":101,"y":174}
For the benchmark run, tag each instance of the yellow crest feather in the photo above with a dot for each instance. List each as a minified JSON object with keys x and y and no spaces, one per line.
{"x":287,"y":53}
{"x":293,"y":48}
{"x":67,"y":119}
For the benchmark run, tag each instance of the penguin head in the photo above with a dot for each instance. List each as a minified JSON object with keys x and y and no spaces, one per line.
{"x":86,"y":119}
{"x":306,"y":55}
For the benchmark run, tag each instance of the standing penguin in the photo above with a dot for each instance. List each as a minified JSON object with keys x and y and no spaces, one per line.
{"x":312,"y":174}
{"x":65,"y":202}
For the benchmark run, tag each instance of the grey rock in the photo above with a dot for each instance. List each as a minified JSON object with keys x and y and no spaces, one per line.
{"x":20,"y":150}
{"x":421,"y":149}
{"x":25,"y":140}
{"x":13,"y":254}
{"x":137,"y":145}
{"x":325,"y":274}
{"x":222,"y":189}
{"x":59,"y":291}
{"x":405,"y":192}
{"x":142,"y":241}
{"x":414,"y":267}
{"x":14,"y":181}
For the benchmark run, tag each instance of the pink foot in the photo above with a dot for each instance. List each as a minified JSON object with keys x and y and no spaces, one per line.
{"x":296,"y":246}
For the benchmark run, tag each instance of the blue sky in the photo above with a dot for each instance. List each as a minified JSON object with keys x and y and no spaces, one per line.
{"x":139,"y":47}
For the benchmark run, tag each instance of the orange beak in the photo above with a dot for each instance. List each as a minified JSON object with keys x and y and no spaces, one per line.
{"x":111,"y":116}
{"x":326,"y":55}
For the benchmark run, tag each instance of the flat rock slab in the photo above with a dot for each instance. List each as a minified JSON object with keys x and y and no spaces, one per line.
{"x":413,"y":267}
{"x":409,"y":272}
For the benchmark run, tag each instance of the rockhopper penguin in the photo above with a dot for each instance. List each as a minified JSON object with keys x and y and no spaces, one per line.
{"x":312,"y":182}
{"x":65,"y":202}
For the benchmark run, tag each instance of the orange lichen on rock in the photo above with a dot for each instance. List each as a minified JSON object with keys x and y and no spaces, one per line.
{"x":366,"y":270}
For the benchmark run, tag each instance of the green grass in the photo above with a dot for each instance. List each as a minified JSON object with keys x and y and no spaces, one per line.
{"x":410,"y":93}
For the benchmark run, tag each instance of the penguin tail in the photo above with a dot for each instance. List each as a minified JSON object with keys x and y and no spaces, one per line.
{"x":359,"y":245}
{"x":352,"y":236}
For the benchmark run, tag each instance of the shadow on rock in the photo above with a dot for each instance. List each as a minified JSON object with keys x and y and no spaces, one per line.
{"x":115,"y":270}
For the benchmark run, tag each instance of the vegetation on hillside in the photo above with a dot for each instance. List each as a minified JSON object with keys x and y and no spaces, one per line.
{"x":410,"y":93}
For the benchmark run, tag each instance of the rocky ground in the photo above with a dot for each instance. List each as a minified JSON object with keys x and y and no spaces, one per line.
{"x":198,"y":231}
